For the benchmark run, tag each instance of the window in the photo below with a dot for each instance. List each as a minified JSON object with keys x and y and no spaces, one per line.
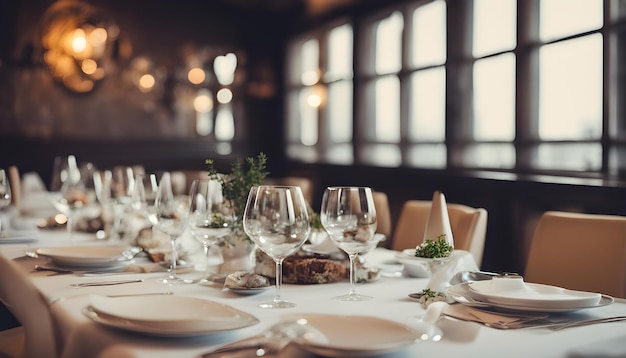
{"x":319,"y":102}
{"x":469,"y":85}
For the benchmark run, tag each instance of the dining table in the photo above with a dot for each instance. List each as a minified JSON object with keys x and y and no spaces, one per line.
{"x":78,"y":335}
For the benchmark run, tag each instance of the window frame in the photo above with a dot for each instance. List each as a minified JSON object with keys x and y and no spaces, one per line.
{"x":458,"y":89}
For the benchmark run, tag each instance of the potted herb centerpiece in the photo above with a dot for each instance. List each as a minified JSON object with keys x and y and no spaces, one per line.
{"x":237,"y":248}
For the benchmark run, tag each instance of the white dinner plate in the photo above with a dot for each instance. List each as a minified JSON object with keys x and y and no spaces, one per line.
{"x":17,"y":237}
{"x":167,"y":315}
{"x":248,"y":291}
{"x":462,"y":293}
{"x":533,"y":295}
{"x":101,"y":256}
{"x":356,"y":336}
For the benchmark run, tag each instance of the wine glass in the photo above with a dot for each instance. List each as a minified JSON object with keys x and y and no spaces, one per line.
{"x":75,"y":193}
{"x":170,"y":215}
{"x":5,"y":193}
{"x":349,"y":216}
{"x":119,"y":188}
{"x":277,"y":220}
{"x":208,"y":219}
{"x":144,"y":193}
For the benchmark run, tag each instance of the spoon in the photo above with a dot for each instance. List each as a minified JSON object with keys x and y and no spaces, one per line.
{"x":53,"y":269}
{"x":274,"y":339}
{"x":426,"y":326}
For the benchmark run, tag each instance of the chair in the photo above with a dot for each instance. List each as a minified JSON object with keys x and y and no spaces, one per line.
{"x":383,"y":213}
{"x":469,"y":227}
{"x":585,"y":252}
{"x":35,"y":338}
{"x":305,"y":184}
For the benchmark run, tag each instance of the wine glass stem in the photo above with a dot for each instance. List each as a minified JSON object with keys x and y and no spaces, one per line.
{"x":70,"y":225}
{"x":352,"y":273}
{"x":206,"y":255}
{"x":172,"y":274}
{"x":279,"y":279}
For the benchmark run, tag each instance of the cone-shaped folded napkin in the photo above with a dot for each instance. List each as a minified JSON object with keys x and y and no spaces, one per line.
{"x":438,"y":221}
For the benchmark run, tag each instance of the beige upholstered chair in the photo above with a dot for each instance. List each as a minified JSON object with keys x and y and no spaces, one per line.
{"x":383,"y":213}
{"x":305,"y":184}
{"x":469,"y":227}
{"x":30,"y":309}
{"x":584,"y":252}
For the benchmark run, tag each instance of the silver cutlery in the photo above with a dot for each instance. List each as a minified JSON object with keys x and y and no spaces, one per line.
{"x":562,"y":325}
{"x":273,"y":340}
{"x":104,"y":283}
{"x":52,"y":269}
{"x":142,"y":294}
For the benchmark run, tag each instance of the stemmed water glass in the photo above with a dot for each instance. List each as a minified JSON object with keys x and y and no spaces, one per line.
{"x":5,"y":193}
{"x":119,"y":187}
{"x":76,"y":193}
{"x":349,"y":216}
{"x":208,"y":220}
{"x":277,"y":220}
{"x":170,"y":215}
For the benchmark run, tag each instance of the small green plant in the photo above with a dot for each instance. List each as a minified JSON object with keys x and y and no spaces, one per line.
{"x":236,"y":185}
{"x":434,"y":248}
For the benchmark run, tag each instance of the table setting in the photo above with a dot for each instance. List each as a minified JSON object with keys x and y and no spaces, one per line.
{"x":108,"y":298}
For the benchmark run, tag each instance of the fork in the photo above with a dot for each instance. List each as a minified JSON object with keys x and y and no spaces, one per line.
{"x":258,"y":346}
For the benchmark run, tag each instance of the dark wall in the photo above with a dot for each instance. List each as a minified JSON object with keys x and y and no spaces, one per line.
{"x":115,"y":124}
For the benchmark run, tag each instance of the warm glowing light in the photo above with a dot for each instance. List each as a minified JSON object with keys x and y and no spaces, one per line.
{"x":98,"y":36}
{"x":196,"y":76}
{"x":224,"y":67}
{"x":203,"y":102}
{"x":60,"y":219}
{"x":314,"y":100}
{"x":146,"y":83}
{"x":79,"y":42}
{"x":89,"y":66}
{"x":224,"y":95}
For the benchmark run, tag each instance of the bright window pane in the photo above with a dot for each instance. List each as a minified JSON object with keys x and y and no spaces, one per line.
{"x":431,"y":156}
{"x":383,"y":155}
{"x":310,"y":63}
{"x":489,"y":156}
{"x":494,"y":26}
{"x":389,"y":44}
{"x":428,"y":105}
{"x":309,"y":115}
{"x":224,"y":124}
{"x":570,"y":89}
{"x":340,"y":154}
{"x":340,"y":111}
{"x":576,"y":156}
{"x":494,"y":98}
{"x":429,"y":34}
{"x":387,"y":114}
{"x":339,"y":53}
{"x":560,"y":18}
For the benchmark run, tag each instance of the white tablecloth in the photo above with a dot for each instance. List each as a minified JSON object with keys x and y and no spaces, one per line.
{"x":81,"y":337}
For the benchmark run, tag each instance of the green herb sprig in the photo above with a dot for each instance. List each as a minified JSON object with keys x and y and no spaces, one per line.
{"x":434,"y":248}
{"x":236,"y":185}
{"x":432,"y":294}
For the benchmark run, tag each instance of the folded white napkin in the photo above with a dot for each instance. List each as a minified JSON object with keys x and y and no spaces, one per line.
{"x":461,"y":260}
{"x":438,"y":221}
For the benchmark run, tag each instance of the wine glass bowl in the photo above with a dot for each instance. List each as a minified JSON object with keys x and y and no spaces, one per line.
{"x":75,"y":194}
{"x":349,"y":216}
{"x":209,"y":220}
{"x":170,"y":215}
{"x":277,"y":220}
